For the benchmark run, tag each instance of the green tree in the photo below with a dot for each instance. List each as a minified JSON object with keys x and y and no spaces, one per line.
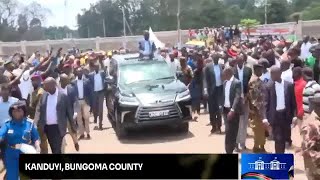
{"x":277,"y":11}
{"x":312,"y":12}
{"x":249,"y":24}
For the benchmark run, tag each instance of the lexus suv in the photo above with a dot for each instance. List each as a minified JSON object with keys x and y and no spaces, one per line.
{"x":146,"y":93}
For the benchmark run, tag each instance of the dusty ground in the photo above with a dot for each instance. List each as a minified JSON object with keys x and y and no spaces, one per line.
{"x":198,"y":140}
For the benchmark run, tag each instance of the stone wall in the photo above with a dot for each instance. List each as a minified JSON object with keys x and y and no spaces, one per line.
{"x":311,"y":28}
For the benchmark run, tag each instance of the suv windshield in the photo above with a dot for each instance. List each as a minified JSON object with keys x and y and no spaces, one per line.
{"x":144,"y":72}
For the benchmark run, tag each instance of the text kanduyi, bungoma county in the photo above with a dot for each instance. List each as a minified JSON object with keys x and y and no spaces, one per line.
{"x":83,"y":166}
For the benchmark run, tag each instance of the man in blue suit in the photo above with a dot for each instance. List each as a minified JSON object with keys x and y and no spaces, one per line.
{"x":146,"y":46}
{"x":97,"y":80}
{"x":84,"y":94}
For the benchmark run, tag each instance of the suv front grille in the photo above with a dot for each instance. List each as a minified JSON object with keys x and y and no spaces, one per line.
{"x":143,"y":112}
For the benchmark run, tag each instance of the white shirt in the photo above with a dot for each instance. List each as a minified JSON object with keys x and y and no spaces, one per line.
{"x":51,"y":115}
{"x":240,"y":74}
{"x":280,"y":96}
{"x":287,"y":75}
{"x":227,"y":103}
{"x":217,"y":75}
{"x":174,"y":66}
{"x":98,"y":86}
{"x":305,"y":50}
{"x":265,"y":77}
{"x":25,"y":85}
{"x":4,"y":109}
{"x":106,"y":63}
{"x":80,"y":88}
{"x":147,"y":47}
{"x":64,"y":90}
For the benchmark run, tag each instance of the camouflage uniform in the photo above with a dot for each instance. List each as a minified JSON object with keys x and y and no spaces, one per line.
{"x":257,"y":114}
{"x":310,"y":132}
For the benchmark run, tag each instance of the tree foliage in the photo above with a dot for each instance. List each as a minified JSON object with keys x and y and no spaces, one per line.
{"x":104,"y":18}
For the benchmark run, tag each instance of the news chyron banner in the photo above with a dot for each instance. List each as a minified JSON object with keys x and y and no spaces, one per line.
{"x":129,"y":166}
{"x":267,"y":166}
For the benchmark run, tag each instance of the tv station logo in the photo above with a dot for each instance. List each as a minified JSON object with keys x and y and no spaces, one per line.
{"x":267,"y":166}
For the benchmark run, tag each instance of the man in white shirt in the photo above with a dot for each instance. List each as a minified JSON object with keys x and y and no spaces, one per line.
{"x":305,"y":48}
{"x":54,"y":113}
{"x":281,"y":108}
{"x":84,"y":93}
{"x":5,"y":102}
{"x":174,"y":64}
{"x":243,"y":74}
{"x":69,"y":91}
{"x":266,"y":74}
{"x":231,"y":109}
{"x":97,"y":79}
{"x":286,"y":71}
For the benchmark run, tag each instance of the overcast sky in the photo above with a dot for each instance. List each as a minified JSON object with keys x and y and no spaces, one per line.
{"x":59,"y":16}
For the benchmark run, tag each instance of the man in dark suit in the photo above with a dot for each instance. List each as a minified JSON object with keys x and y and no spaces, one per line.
{"x":97,"y":80}
{"x":243,"y":73}
{"x":280,"y":108}
{"x":231,"y":108}
{"x":55,"y":111}
{"x":69,"y":90}
{"x":84,"y":94}
{"x":213,"y":91}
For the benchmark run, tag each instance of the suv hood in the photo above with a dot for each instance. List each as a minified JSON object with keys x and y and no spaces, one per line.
{"x":156,"y":93}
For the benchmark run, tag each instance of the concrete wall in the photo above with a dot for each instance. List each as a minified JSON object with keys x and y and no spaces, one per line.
{"x":311,"y":28}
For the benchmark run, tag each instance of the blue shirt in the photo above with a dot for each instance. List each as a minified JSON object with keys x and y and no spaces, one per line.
{"x":19,"y":132}
{"x":191,"y":64}
{"x":217,"y":75}
{"x":4,"y":109}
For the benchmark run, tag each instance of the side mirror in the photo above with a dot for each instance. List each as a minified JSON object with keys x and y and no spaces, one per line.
{"x":110,"y":80}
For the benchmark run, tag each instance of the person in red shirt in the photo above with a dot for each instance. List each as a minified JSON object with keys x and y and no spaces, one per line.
{"x":299,"y":85}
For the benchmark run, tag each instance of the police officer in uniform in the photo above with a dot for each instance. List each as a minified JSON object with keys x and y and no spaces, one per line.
{"x":17,"y":131}
{"x":310,"y":132}
{"x":257,"y":108}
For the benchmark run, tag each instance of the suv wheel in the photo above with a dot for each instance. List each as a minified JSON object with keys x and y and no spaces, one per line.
{"x":121,"y":131}
{"x":184,"y":127}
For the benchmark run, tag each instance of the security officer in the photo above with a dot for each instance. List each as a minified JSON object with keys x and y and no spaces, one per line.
{"x":310,"y":132}
{"x":257,"y":105}
{"x":17,"y":131}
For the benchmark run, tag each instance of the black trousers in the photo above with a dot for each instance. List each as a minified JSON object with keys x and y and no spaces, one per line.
{"x":54,"y":138}
{"x":232,"y":127}
{"x":214,"y":111}
{"x":281,"y":131}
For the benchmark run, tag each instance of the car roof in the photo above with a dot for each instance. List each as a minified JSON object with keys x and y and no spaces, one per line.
{"x":124,"y":59}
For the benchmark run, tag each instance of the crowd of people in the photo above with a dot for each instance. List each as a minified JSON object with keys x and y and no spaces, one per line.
{"x":270,"y":87}
{"x":266,"y":86}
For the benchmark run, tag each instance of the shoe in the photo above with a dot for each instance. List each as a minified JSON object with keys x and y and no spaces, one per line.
{"x":262,"y":150}
{"x":237,"y":149}
{"x":81,"y":137}
{"x":88,"y":136}
{"x":219,"y":131}
{"x":243,"y":147}
{"x":213,"y":130}
{"x":100,"y":127}
{"x":288,"y":145}
{"x":77,"y":147}
{"x":256,"y":150}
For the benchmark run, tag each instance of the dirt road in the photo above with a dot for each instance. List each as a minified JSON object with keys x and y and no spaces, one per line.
{"x":198,"y":140}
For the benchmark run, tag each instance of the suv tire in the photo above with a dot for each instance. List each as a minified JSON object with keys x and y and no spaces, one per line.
{"x":184,"y":128}
{"x":121,"y":131}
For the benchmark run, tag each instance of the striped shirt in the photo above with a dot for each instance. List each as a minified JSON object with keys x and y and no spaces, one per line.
{"x":311,"y":90}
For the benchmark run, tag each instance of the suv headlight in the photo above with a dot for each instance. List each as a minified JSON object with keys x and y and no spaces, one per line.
{"x":185,"y":95}
{"x":128,"y":100}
